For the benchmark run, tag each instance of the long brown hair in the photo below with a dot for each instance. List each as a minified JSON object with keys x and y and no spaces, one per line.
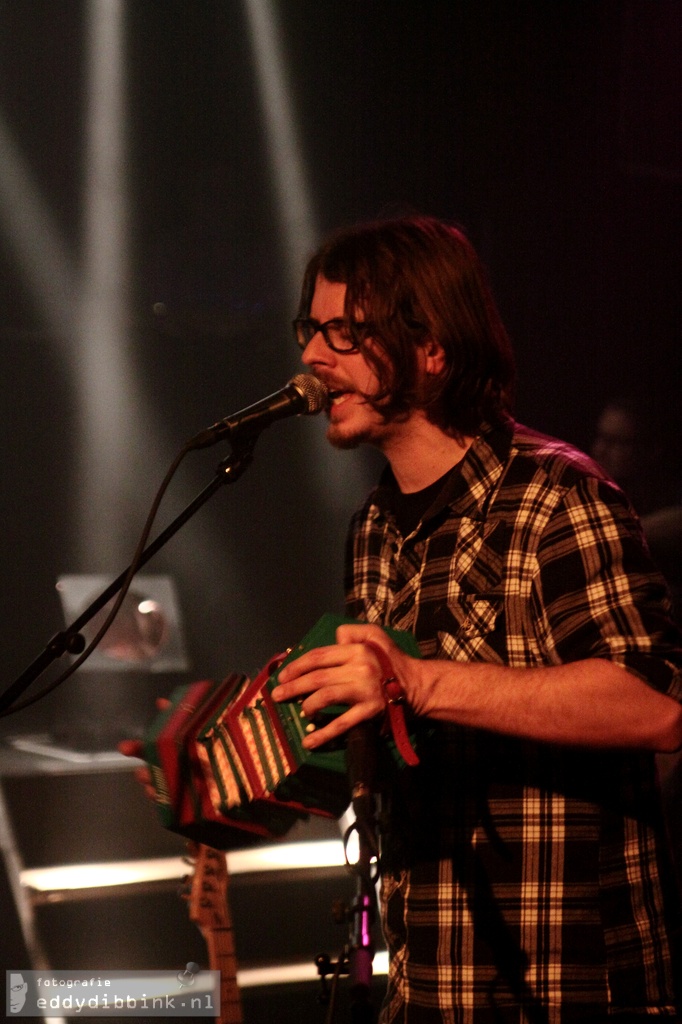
{"x":417,"y":278}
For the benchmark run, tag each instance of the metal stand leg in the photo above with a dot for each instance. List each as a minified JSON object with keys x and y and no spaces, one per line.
{"x":22,"y":900}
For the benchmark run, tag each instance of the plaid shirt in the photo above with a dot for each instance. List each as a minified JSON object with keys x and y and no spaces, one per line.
{"x":522,"y":882}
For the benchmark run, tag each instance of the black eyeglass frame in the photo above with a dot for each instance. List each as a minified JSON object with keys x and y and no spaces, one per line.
{"x":305,"y":329}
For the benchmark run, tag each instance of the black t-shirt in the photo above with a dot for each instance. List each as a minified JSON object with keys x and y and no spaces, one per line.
{"x":409,"y":509}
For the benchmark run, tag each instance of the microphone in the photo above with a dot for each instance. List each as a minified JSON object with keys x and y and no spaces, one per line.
{"x":303,"y":395}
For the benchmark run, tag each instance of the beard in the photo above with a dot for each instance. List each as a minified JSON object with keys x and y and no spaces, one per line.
{"x":364,"y":425}
{"x":346,"y":442}
{"x":350,"y":438}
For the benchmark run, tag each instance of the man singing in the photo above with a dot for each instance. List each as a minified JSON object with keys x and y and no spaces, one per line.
{"x":525,"y":872}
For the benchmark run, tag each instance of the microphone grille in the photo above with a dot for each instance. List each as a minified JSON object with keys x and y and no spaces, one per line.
{"x":312,"y":390}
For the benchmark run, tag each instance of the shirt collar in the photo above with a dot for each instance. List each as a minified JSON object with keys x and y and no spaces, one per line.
{"x":469,"y":486}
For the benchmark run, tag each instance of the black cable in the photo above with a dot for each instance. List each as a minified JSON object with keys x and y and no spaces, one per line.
{"x":130,"y":574}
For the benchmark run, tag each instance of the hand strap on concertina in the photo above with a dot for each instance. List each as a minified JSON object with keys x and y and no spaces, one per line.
{"x":395,"y":698}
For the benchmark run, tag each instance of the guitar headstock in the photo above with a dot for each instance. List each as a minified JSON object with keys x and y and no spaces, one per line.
{"x":208,"y":890}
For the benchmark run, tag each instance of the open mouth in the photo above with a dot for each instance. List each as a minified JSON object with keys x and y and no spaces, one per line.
{"x":338,"y":397}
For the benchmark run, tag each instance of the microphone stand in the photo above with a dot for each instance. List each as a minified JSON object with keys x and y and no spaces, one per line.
{"x":361,"y":756}
{"x":362,"y":916}
{"x":356,"y":960}
{"x":71,"y":639}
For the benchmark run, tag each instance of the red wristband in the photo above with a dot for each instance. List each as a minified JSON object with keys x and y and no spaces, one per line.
{"x":395,"y":698}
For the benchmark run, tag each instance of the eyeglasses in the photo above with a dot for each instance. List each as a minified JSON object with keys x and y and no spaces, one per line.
{"x":340,"y":335}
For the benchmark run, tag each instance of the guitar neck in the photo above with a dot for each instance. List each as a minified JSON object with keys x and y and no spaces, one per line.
{"x":222,"y":957}
{"x":209,"y":909}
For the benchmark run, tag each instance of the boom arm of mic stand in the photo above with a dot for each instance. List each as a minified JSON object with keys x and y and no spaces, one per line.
{"x":70,"y":639}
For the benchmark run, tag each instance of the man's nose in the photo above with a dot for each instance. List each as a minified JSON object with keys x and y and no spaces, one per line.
{"x":317,"y":351}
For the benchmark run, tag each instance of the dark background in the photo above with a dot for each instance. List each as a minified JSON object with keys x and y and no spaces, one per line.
{"x":549,"y":131}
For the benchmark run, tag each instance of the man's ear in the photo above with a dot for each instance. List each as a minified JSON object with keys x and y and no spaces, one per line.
{"x":433,"y":357}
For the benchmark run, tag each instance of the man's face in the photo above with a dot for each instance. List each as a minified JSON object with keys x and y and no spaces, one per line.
{"x":616,"y":444}
{"x":348,"y":376}
{"x":18,"y":989}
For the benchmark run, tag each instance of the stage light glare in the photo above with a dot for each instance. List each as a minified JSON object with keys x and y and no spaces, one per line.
{"x":297,"y":221}
{"x":40,"y":251}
